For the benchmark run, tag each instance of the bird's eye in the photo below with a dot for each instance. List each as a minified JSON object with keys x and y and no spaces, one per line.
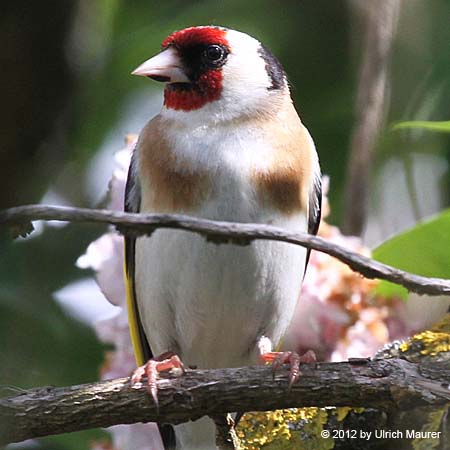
{"x":214,"y":53}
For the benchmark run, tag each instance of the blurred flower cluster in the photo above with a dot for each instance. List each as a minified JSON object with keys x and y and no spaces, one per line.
{"x":339,"y":315}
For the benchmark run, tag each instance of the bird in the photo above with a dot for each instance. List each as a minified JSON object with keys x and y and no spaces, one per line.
{"x":227,"y":145}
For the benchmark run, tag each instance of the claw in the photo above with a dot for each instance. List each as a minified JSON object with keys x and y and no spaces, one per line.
{"x":293,"y":358}
{"x":151,"y":369}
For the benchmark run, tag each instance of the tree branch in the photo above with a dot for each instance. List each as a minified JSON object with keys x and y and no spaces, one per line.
{"x":224,"y":232}
{"x":381,"y":24}
{"x":384,"y":383}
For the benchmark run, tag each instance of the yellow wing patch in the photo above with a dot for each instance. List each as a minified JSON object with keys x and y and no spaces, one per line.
{"x":133,"y":317}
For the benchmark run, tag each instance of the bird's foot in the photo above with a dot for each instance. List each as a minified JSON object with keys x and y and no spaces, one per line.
{"x":162,"y":363}
{"x":293,"y":358}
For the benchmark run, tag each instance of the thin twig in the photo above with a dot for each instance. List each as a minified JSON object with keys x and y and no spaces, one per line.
{"x":225,"y":232}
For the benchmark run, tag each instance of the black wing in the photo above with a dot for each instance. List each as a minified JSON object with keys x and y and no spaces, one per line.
{"x":141,"y":347}
{"x":132,"y":204}
{"x":314,"y":210}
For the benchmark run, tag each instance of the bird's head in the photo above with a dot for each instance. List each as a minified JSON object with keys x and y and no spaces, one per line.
{"x":221,"y":74}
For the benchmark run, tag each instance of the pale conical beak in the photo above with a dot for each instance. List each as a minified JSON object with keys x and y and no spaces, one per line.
{"x":165,"y":66}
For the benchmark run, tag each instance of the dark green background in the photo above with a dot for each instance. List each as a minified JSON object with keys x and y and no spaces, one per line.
{"x":65,"y":79}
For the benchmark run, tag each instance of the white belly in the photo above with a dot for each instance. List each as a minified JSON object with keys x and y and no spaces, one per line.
{"x":210,"y":303}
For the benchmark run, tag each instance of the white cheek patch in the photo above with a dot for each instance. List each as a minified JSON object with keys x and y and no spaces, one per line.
{"x":245,"y":70}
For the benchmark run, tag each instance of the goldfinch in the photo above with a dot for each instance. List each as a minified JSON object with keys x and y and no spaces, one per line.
{"x":227,"y":145}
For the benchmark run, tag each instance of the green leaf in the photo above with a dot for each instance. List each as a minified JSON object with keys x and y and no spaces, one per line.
{"x":442,"y":127}
{"x":423,"y":250}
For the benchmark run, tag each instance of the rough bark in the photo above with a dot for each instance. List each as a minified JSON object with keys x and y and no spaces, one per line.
{"x":384,"y":384}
